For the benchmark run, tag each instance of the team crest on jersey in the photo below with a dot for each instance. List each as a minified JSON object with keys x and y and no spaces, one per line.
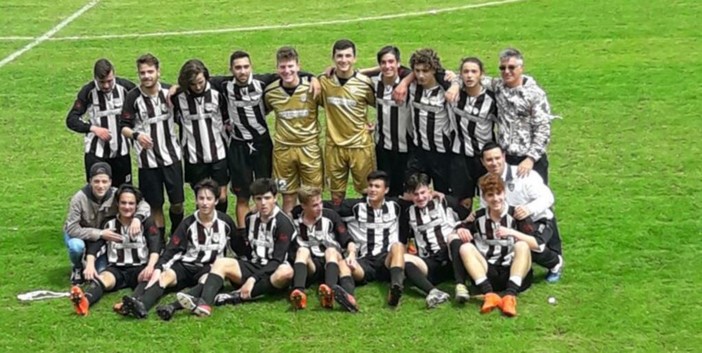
{"x":510,"y":186}
{"x":215,"y":238}
{"x":303,"y":98}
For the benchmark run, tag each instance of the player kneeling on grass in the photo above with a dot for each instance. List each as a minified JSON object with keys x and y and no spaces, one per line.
{"x":197,"y":242}
{"x":269,"y":232}
{"x":430,"y":221}
{"x":127,"y":255}
{"x":494,"y":250}
{"x":320,"y":237}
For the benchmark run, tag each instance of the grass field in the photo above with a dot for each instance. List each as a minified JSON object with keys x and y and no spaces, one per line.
{"x":625,"y":168}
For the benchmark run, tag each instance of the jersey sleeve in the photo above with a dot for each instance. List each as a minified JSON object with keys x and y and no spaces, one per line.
{"x":93,"y":247}
{"x":128,"y":116}
{"x":267,"y":79}
{"x":74,"y":119}
{"x":178,"y":244}
{"x":219,"y":82}
{"x":152,"y":235}
{"x":127,"y":84}
{"x":405,"y":229}
{"x":342,"y":235}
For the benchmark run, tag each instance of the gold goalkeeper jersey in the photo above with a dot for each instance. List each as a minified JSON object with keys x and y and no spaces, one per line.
{"x":296,"y":121}
{"x":346,"y":109}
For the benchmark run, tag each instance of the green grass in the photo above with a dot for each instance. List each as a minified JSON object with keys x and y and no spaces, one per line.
{"x":625,"y":169}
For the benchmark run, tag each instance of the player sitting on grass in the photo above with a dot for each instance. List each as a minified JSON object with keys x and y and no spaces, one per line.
{"x":430,"y":221}
{"x":127,"y":256}
{"x":321,"y":236}
{"x":494,"y":250}
{"x":269,"y":233}
{"x":197,"y":242}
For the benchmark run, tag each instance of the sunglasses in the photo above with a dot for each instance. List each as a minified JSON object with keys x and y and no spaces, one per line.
{"x":508,"y":67}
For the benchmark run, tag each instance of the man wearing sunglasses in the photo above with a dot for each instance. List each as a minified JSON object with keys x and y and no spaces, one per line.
{"x":524,"y":116}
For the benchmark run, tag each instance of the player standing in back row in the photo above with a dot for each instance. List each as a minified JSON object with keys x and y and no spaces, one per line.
{"x":346,"y":96}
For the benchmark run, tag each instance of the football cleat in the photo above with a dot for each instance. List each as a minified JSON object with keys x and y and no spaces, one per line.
{"x":120,"y":309}
{"x":165,"y":312}
{"x":80,"y":302}
{"x":436,"y":297}
{"x":298,"y":299}
{"x":77,"y":276}
{"x":231,"y":298}
{"x":134,"y":307}
{"x":326,"y":296}
{"x":345,"y":300}
{"x":490,"y":302}
{"x":394,"y":295}
{"x":462,"y":293}
{"x":554,"y":275}
{"x":509,"y":305}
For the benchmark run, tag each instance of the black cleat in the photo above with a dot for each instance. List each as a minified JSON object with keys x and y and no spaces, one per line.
{"x":134,"y":307}
{"x":394,"y":295}
{"x":165,"y":312}
{"x":231,"y":298}
{"x":346,"y":300}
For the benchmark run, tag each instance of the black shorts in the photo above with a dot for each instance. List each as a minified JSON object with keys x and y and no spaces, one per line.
{"x":465,"y":172}
{"x":125,"y":276}
{"x":152,"y":181}
{"x":248,"y":269}
{"x":187,"y":274}
{"x":393,"y":163}
{"x":218,"y":171}
{"x":248,"y":161}
{"x":499,"y":277}
{"x":121,"y":168}
{"x":318,"y":275}
{"x":374,"y":268}
{"x":438,"y":268}
{"x":540,"y":166}
{"x":434,"y":164}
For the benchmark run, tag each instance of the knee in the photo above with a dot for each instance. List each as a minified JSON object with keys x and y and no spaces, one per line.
{"x":75,"y":245}
{"x":284,"y":273}
{"x":467,"y":249}
{"x":397,"y":248}
{"x":177,"y":208}
{"x":521,"y":247}
{"x":331,"y":255}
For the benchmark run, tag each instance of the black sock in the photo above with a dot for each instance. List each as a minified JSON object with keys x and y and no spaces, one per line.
{"x":459,"y":272}
{"x":162,"y":230}
{"x":547,"y":258}
{"x":414,"y":274}
{"x":176,"y":218}
{"x":397,"y":275}
{"x":512,"y":288}
{"x":262,"y":286}
{"x":94,"y":292}
{"x":222,"y":206}
{"x":300,"y":276}
{"x":331,"y":274}
{"x":151,"y":296}
{"x":485,"y":286}
{"x":211,"y":287}
{"x":348,"y":284}
{"x":139,"y":290}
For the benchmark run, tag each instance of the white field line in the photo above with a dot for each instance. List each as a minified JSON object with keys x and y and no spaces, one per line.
{"x":46,"y":36}
{"x":281,"y":26}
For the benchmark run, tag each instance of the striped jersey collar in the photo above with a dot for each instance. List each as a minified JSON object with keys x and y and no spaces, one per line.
{"x":158,"y":85}
{"x":196,"y":214}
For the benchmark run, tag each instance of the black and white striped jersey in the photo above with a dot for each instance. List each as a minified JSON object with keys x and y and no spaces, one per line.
{"x":373,"y":230}
{"x":151,"y":115}
{"x":431,"y":118}
{"x":194,"y":243}
{"x":474,"y":121}
{"x":393,"y":130}
{"x":133,"y":250}
{"x":328,"y":231}
{"x":247,"y":110}
{"x":269,"y":241}
{"x":430,"y":226}
{"x":496,"y":251}
{"x":202,"y":118}
{"x":103,"y":110}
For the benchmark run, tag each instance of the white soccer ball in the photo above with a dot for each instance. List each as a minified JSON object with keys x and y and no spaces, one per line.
{"x":552,"y":300}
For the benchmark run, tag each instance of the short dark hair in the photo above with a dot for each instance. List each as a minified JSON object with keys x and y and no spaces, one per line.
{"x":189,"y":71}
{"x":489,"y":146}
{"x":471,"y":59}
{"x":388,"y":49}
{"x":379,"y":175}
{"x":207,"y":184}
{"x":127,"y":188}
{"x":427,"y":57}
{"x":415,"y":181}
{"x":148,"y":59}
{"x":286,"y":54}
{"x":102,"y":68}
{"x":343,"y":44}
{"x":238,"y":55}
{"x":262,"y":186}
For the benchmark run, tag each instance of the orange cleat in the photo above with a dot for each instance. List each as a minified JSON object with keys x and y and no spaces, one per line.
{"x":80,"y":302}
{"x":326,"y":296}
{"x":298,"y":299}
{"x":509,"y":305}
{"x":490,"y":302}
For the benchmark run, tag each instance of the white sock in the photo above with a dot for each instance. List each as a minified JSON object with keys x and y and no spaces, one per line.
{"x":480,"y":280}
{"x":557,"y":268}
{"x":516,"y":280}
